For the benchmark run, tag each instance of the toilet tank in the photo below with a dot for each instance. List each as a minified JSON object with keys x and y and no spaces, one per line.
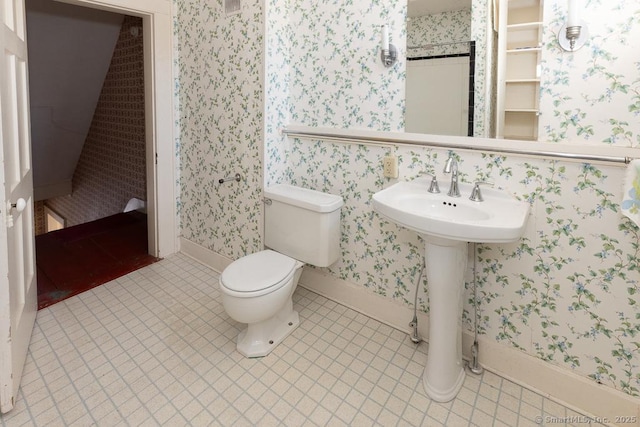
{"x":303,"y":224}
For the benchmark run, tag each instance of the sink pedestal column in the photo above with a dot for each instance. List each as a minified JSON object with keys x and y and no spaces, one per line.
{"x":446,"y":264}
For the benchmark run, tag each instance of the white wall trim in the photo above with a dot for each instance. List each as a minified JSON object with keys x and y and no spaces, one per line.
{"x":553,"y":382}
{"x":525,"y":149}
{"x":132,"y":7}
{"x":204,"y":256}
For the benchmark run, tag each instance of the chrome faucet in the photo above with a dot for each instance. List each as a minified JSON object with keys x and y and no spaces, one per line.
{"x":452,"y":167}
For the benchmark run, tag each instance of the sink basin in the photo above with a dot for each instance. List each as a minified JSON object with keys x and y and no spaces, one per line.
{"x":499,"y":218}
{"x":447,"y":224}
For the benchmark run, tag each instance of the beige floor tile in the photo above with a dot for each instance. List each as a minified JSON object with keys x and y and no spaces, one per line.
{"x":142,"y":351}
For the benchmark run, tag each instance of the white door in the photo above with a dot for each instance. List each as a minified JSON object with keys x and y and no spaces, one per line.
{"x":18,"y":293}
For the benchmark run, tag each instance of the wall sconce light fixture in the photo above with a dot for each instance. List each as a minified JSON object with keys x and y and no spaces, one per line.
{"x":573,"y":34}
{"x":388,"y":52}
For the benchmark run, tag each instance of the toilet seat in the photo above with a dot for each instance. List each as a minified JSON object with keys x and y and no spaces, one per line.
{"x":258,"y":274}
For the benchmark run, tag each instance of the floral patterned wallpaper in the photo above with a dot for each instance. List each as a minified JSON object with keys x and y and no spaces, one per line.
{"x":340,"y":48}
{"x":219,"y":91}
{"x":350,"y":88}
{"x":567,"y":293}
{"x":572,"y":110}
{"x":438,"y":30}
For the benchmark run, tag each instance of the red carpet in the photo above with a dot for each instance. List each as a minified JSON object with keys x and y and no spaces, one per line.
{"x":76,"y":259}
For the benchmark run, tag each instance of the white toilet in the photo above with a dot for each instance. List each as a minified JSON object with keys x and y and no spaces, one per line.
{"x":301,"y":226}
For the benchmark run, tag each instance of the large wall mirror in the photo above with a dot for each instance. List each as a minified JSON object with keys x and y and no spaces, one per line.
{"x":543,"y":92}
{"x":440,"y":75}
{"x":527,"y":86}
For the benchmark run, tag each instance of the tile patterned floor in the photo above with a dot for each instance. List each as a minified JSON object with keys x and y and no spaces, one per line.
{"x":155,"y":347}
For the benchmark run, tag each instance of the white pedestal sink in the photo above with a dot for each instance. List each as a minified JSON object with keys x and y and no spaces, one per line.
{"x":447,"y":224}
{"x":446,"y":263}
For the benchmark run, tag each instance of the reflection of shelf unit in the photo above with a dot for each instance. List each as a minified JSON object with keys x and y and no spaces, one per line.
{"x":519,"y":41}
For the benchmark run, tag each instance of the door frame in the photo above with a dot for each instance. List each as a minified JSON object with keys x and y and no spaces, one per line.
{"x":158,"y":89}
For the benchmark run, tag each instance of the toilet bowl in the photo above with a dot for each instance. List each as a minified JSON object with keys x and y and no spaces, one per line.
{"x":257,"y":290}
{"x":302,"y":226}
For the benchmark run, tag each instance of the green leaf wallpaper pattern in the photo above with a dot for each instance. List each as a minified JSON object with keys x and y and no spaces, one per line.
{"x":567,"y":293}
{"x":572,"y":110}
{"x":219,"y":121}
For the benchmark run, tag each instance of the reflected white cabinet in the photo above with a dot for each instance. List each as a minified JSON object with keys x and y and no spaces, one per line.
{"x":519,"y":48}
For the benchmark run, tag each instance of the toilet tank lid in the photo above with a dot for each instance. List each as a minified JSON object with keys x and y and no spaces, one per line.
{"x":303,"y":197}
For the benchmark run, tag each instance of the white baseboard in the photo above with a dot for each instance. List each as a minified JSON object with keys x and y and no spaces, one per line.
{"x":558,"y":384}
{"x":204,"y":256}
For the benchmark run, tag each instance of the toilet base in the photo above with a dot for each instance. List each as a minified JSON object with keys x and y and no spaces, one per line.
{"x":259,"y":339}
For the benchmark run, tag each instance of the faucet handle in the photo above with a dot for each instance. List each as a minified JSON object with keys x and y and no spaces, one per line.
{"x":433,"y":187}
{"x":476,"y":194}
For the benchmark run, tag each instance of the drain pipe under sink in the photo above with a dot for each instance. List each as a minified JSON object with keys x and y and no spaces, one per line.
{"x":414,"y":323}
{"x":473,"y":365}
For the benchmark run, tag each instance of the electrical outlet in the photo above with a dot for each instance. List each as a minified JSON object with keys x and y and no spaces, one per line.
{"x":390,"y":166}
